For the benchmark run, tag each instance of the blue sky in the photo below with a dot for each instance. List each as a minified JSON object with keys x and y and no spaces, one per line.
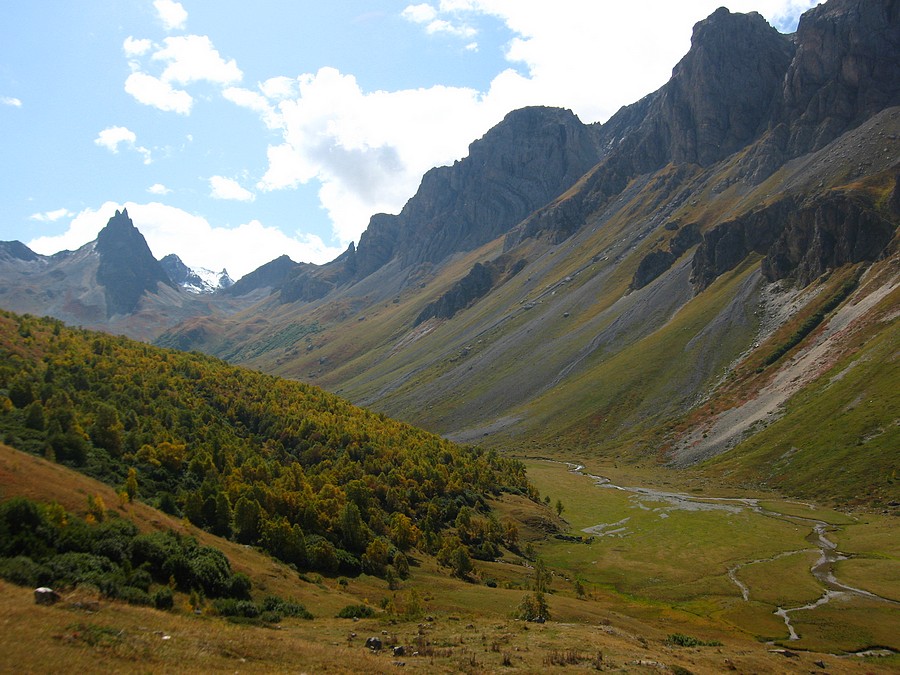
{"x":235,"y":132}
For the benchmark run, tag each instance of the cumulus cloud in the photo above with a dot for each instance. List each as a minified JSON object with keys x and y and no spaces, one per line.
{"x":112,"y":137}
{"x":228,"y":188}
{"x":167,"y":229}
{"x":171,"y":13}
{"x":133,"y":47}
{"x":427,"y":16}
{"x":11,"y":101}
{"x":186,"y":59}
{"x":158,"y":189}
{"x":192,"y":58}
{"x":50,"y":216}
{"x":157,"y":93}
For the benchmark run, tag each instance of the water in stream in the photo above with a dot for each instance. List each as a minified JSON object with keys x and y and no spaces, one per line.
{"x":822,"y":569}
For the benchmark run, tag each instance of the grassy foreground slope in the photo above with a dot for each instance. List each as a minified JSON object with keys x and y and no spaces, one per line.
{"x":443,"y":623}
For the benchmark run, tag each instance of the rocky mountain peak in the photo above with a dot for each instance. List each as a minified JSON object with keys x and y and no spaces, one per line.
{"x":127,"y":268}
{"x":721,"y":94}
{"x":16,"y":250}
{"x":847,"y":68}
{"x":199,"y":280}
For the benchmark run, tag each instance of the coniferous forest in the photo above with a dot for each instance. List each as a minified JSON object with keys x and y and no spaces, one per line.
{"x":301,"y":473}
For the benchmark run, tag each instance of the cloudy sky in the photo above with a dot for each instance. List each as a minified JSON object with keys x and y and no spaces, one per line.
{"x":235,"y":132}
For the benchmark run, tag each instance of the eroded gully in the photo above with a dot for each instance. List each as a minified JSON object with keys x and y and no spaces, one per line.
{"x":822,"y":569}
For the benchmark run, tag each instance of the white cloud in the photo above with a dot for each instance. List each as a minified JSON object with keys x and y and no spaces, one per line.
{"x":172,"y":14}
{"x":192,"y":58}
{"x":426,"y":15}
{"x":592,"y":57}
{"x":112,"y":137}
{"x":168,"y":229}
{"x":11,"y":101}
{"x":279,"y":87}
{"x":155,"y":92}
{"x":158,"y":189}
{"x":133,"y":47}
{"x":228,"y":188}
{"x":423,"y":13}
{"x":50,"y":216}
{"x":187,"y":59}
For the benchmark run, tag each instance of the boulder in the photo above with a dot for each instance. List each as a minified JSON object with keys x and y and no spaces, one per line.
{"x":45,"y":596}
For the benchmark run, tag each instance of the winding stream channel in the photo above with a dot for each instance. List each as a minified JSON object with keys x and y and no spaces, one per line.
{"x":822,"y":569}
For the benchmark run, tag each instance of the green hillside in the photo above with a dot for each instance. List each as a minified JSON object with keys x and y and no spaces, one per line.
{"x":305,"y":475}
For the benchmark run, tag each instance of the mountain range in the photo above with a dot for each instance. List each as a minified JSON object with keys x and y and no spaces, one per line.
{"x":709,"y":276}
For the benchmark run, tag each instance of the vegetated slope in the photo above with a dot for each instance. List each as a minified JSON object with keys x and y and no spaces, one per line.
{"x":312,"y":479}
{"x":600,"y":319}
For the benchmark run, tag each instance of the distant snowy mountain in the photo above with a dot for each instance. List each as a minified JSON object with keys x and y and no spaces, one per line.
{"x":199,"y":280}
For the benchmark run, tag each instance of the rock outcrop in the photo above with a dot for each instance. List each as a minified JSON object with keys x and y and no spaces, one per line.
{"x":720,"y":99}
{"x":481,"y":280}
{"x":127,"y":268}
{"x":800,"y":239}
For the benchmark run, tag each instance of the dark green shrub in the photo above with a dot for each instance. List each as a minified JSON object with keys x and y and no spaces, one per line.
{"x":211,"y":571}
{"x":688,"y":641}
{"x":239,"y":586}
{"x":69,"y":569}
{"x":140,"y":579}
{"x":134,"y":596}
{"x":24,"y":530}
{"x":272,"y":603}
{"x":356,"y":612}
{"x":23,"y":571}
{"x":113,"y":539}
{"x":163,"y":598}
{"x":241,"y":608}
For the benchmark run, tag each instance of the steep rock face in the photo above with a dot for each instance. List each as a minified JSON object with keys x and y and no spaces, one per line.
{"x":799,"y":239}
{"x":183,"y":276}
{"x":721,"y":93}
{"x":127,"y":268}
{"x":658,"y":261}
{"x":521,"y":164}
{"x":726,"y":245}
{"x":832,"y":231}
{"x":179,"y":273}
{"x":846,"y":68}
